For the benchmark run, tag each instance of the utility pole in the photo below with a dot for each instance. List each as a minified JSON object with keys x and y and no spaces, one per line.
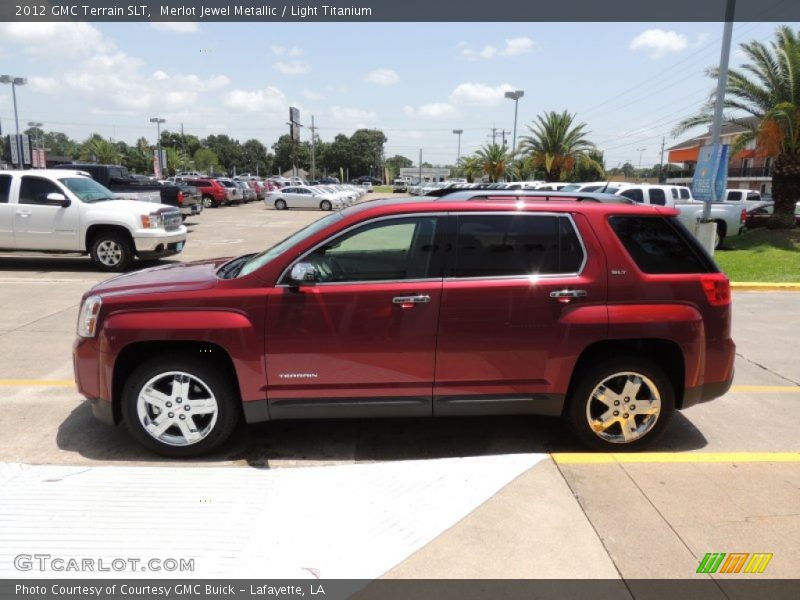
{"x":420,"y":166}
{"x":313,"y":149}
{"x":661,"y":178}
{"x":503,"y":134}
{"x":183,"y":147}
{"x":494,"y":135}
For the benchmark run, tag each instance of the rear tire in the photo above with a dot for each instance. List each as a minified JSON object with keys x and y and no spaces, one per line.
{"x":208,"y":202}
{"x":620,"y":405}
{"x":112,"y":252}
{"x":719,"y":237}
{"x":280,"y":204}
{"x":212,"y":414}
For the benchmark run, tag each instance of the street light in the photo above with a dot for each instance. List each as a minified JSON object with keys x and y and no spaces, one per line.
{"x":15,"y":81}
{"x":38,"y":142}
{"x":458,"y":132}
{"x":158,"y":123}
{"x":515,"y":96}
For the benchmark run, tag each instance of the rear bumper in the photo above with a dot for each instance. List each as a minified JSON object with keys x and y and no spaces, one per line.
{"x":706,"y":392}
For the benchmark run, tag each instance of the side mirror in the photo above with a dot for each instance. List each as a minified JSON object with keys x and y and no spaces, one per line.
{"x":57,"y":199}
{"x":303,"y":274}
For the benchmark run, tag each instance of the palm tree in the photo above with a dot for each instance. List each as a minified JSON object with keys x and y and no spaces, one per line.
{"x":100,"y":150}
{"x":556,"y":143}
{"x":590,"y":166}
{"x":471,"y":167}
{"x":767,"y":87}
{"x":493,"y":159}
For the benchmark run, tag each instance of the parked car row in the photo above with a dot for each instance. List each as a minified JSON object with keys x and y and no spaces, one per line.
{"x":323,"y":197}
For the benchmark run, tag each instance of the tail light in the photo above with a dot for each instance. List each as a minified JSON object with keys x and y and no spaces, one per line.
{"x":180,"y":198}
{"x":743,"y":216}
{"x":717,"y":289}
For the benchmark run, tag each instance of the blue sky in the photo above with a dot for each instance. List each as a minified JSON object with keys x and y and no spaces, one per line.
{"x":630,"y":82}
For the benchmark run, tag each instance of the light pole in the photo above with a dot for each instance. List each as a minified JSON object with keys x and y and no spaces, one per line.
{"x":40,"y":143}
{"x":640,"y":150}
{"x":458,"y":132}
{"x":15,"y":81}
{"x":515,"y":96}
{"x":158,"y":123}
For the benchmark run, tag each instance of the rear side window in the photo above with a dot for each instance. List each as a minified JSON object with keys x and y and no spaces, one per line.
{"x":516,"y":245}
{"x":661,"y":245}
{"x":734,"y":195}
{"x":633,"y":194}
{"x":5,"y":188}
{"x":684,"y":194}
{"x":657,"y":196}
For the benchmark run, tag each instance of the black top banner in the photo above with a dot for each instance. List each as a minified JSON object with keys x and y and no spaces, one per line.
{"x":400,"y":10}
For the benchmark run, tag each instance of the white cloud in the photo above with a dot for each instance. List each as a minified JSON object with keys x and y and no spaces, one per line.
{"x":309,"y":95}
{"x":269,"y":99}
{"x":177,"y":26}
{"x":55,"y":39}
{"x":278,"y":50}
{"x":658,"y":43}
{"x":432,"y":111}
{"x":345,"y":113}
{"x":383,"y":77}
{"x":517,"y":46}
{"x":293,"y":67}
{"x":160,"y":76}
{"x":179,"y":99}
{"x":513,"y":47}
{"x":479,"y":93}
{"x":45,"y":85}
{"x":295,"y":51}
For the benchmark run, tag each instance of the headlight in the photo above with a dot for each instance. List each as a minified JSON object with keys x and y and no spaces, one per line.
{"x":152,"y":221}
{"x":87,"y":318}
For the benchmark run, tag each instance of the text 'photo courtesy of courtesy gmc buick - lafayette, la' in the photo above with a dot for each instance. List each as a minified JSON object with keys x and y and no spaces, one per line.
{"x":61,"y":211}
{"x":605,"y":313}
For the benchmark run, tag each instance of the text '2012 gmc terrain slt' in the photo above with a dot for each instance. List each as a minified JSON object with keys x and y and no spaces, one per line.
{"x":610,"y":315}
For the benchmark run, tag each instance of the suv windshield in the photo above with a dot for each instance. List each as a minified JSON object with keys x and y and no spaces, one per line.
{"x":88,"y":190}
{"x":259,"y":260}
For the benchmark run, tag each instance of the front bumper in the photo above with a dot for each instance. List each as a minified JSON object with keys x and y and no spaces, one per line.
{"x":157,"y":244}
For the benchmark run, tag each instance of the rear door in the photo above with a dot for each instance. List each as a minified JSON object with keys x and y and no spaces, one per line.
{"x":7,"y":211}
{"x":509,"y":323}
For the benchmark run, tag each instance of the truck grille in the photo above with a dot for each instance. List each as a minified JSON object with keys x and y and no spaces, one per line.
{"x":172,"y":220}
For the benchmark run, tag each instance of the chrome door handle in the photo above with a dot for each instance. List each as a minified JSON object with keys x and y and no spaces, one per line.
{"x":420,"y":299}
{"x":568,"y":294}
{"x":24,"y":213}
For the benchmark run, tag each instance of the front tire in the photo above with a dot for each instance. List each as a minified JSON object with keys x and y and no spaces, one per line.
{"x":208,"y":202}
{"x":325,"y":205}
{"x":179,"y":407}
{"x":112,"y":252}
{"x":620,"y":405}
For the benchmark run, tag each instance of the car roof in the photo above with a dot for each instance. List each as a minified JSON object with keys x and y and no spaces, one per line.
{"x":46,"y":172}
{"x":535,"y":195}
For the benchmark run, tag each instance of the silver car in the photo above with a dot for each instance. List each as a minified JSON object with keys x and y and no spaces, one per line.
{"x":302,"y":196}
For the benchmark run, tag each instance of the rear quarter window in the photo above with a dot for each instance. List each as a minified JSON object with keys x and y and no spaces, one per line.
{"x":661,"y":245}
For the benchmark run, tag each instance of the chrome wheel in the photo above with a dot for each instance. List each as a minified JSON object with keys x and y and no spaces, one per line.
{"x":109,"y":253}
{"x":208,"y":202}
{"x":177,"y":408}
{"x":623,"y":408}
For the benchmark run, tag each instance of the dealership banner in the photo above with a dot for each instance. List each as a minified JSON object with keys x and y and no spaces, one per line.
{"x":392,"y":10}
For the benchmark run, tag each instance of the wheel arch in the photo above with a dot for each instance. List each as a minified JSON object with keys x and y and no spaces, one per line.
{"x":667,"y":354}
{"x":93,"y":231}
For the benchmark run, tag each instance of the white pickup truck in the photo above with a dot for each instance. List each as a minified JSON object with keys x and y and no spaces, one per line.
{"x":729,"y":216}
{"x":65,"y":211}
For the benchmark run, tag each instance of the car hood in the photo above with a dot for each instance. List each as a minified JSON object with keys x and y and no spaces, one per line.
{"x":138,"y":207}
{"x":177,"y":277}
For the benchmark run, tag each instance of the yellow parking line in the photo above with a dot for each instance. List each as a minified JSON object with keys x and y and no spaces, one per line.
{"x":587,"y":458}
{"x":37,"y":383}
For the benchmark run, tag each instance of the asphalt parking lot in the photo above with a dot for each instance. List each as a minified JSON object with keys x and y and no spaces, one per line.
{"x":726,"y":478}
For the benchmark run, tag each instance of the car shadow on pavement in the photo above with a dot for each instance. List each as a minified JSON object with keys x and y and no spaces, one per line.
{"x":65,"y":264}
{"x":321,"y":442}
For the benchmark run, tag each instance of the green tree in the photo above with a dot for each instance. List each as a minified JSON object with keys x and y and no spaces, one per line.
{"x":139,"y":157}
{"x":767,"y":87}
{"x":589,"y":167}
{"x":471,"y":167}
{"x":555,"y":144}
{"x":100,"y":150}
{"x":493,"y":160}
{"x":336,"y":156}
{"x":205,"y":160}
{"x":187,"y":143}
{"x":397,"y":162}
{"x":366,"y":146}
{"x":289,"y":153}
{"x":255,"y":157}
{"x":228,"y":151}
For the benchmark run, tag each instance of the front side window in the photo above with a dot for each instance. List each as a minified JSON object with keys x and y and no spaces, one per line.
{"x":516,"y":245}
{"x":34,"y":190}
{"x":385,"y":250}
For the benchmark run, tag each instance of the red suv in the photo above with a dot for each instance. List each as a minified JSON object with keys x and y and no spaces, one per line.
{"x":214,"y":193}
{"x":610,"y":315}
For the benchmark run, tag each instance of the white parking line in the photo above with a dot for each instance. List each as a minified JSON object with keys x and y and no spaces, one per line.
{"x":353,"y":521}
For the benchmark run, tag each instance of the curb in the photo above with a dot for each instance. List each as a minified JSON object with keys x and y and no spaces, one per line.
{"x":757,"y":286}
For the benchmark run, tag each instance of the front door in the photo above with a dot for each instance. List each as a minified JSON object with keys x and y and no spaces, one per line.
{"x":42,"y":226}
{"x":508,"y":318}
{"x":360,"y":340}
